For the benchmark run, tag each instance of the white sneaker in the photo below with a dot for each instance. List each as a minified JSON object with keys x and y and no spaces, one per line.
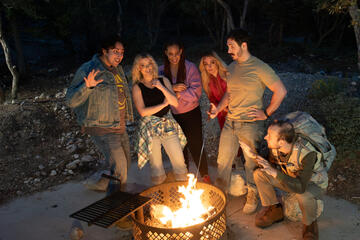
{"x":96,"y":182}
{"x":251,"y":201}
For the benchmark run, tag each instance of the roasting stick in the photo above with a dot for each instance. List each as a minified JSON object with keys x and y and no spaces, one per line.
{"x":202,"y":147}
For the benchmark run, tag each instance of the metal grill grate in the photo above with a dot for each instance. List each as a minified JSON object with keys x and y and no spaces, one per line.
{"x":107,"y":211}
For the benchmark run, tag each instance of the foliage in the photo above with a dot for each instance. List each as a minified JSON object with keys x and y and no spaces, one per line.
{"x":210,"y":14}
{"x":334,"y":6}
{"x":28,"y":7}
{"x":323,"y":88}
{"x":339,"y":112}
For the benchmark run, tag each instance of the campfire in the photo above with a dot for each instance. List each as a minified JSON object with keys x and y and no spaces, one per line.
{"x":192,"y":211}
{"x":181,"y":210}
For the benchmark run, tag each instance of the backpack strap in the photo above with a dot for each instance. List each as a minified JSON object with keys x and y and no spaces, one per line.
{"x":315,"y":145}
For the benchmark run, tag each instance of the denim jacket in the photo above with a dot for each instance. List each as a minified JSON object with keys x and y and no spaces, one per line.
{"x":98,"y":107}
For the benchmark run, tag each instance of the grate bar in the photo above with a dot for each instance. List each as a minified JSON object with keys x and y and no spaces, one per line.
{"x":107,"y":211}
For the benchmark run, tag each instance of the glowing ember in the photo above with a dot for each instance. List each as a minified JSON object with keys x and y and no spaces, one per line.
{"x":193,"y":210}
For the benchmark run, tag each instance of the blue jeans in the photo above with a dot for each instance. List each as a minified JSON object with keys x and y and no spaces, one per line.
{"x":173,"y":149}
{"x":251,"y":133}
{"x":116,"y":150}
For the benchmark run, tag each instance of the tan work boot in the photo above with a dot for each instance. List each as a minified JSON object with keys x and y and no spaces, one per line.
{"x":269,"y":215}
{"x":311,"y":232}
{"x":251,"y":201}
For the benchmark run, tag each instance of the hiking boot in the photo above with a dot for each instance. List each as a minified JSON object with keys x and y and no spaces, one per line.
{"x":251,"y":201}
{"x":206,"y":179}
{"x":269,"y":215}
{"x":311,"y":232}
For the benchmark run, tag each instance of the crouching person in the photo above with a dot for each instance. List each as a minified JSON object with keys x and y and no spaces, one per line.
{"x":293,"y":167}
{"x":100,"y":97}
{"x":153,"y":96}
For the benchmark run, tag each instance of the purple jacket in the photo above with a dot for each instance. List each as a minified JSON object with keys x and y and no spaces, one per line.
{"x":189,"y":99}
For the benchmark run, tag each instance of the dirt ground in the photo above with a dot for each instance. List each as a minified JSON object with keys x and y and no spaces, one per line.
{"x":35,"y":134}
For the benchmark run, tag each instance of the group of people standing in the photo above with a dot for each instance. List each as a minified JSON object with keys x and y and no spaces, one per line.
{"x":167,"y":99}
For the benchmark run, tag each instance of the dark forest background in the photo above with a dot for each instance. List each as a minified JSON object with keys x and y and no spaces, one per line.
{"x":61,"y":34}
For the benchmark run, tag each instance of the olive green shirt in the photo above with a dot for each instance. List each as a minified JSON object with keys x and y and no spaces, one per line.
{"x":246,"y":86}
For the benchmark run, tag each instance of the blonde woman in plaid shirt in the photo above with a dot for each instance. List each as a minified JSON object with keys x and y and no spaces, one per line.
{"x":153,"y":96}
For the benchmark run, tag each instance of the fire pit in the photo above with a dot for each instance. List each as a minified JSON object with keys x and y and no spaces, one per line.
{"x":212,"y":227}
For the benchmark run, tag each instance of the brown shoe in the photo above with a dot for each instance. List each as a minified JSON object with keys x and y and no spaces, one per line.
{"x":311,"y":232}
{"x":269,"y":215}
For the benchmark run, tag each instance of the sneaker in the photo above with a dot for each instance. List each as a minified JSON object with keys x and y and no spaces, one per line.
{"x":311,"y":232}
{"x":76,"y":233}
{"x":97,"y":185}
{"x":251,"y":201}
{"x":125,"y":224}
{"x":269,"y":215}
{"x":206,"y":179}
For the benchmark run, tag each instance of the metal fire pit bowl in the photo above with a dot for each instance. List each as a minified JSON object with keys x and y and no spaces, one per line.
{"x":167,"y":194}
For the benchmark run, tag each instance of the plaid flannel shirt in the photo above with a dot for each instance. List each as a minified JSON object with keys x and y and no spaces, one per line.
{"x":152,"y":126}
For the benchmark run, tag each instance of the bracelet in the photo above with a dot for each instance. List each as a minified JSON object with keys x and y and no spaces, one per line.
{"x":266,"y":114}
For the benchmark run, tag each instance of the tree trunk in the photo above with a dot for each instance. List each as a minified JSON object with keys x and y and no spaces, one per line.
{"x":18,"y":46}
{"x":340,"y":36}
{"x":243,"y":15}
{"x":323,"y":27}
{"x":281,"y":31}
{"x":154,"y":12}
{"x":355,"y":16}
{"x":222,"y":39}
{"x":230,"y":21}
{"x":118,"y":19}
{"x":2,"y":95}
{"x":271,"y":29}
{"x":9,"y":63}
{"x":208,"y":28}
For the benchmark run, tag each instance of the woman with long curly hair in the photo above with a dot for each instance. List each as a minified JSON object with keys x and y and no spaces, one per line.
{"x":213,"y":76}
{"x":185,"y":79}
{"x":153,"y":96}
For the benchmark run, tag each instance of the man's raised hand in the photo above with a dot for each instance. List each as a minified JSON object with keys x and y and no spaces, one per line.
{"x":90,"y":80}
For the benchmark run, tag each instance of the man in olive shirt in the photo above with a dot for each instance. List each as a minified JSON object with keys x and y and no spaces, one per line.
{"x":294,"y":167}
{"x":249,"y":76}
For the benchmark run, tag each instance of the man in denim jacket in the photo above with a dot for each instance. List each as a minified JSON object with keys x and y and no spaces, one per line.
{"x":100,"y":98}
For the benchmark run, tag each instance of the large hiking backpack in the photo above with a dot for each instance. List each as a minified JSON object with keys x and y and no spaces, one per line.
{"x":309,"y":129}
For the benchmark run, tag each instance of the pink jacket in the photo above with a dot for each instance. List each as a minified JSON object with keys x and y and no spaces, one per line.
{"x":189,"y":99}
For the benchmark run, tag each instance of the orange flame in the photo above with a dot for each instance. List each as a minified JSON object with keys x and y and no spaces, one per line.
{"x":193,"y":210}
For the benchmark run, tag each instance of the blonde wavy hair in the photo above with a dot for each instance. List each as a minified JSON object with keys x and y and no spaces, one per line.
{"x":136,"y":73}
{"x":223,"y":72}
